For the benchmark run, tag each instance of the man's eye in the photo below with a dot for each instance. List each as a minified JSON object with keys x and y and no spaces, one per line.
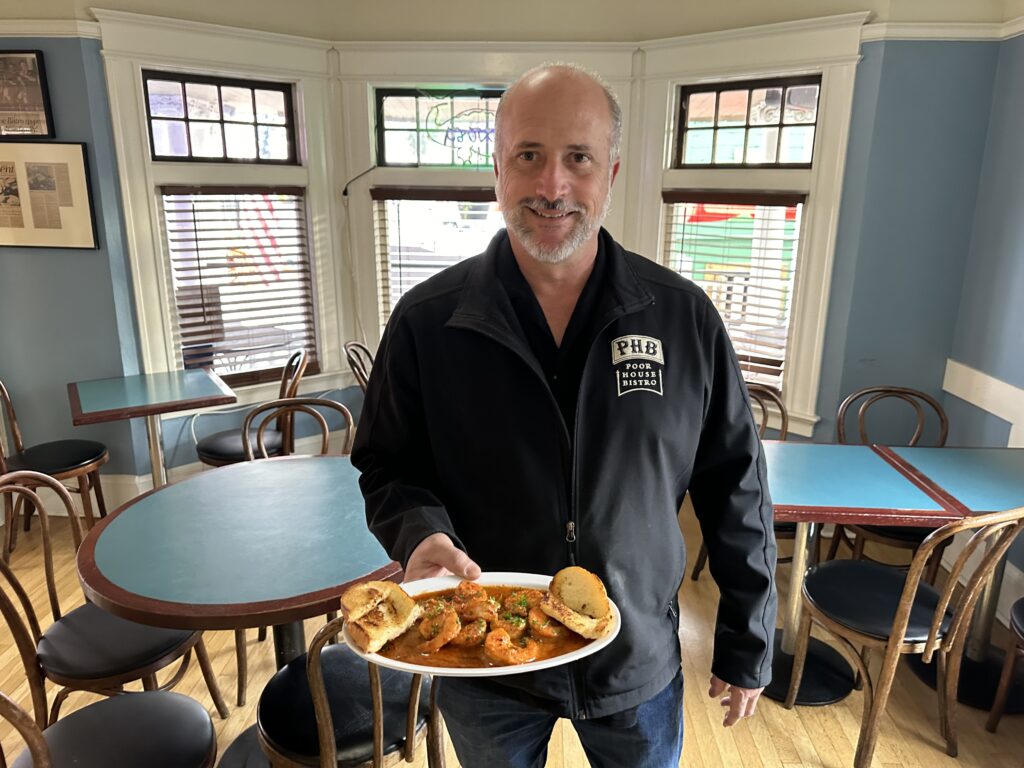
{"x":528,"y":156}
{"x":580,"y":157}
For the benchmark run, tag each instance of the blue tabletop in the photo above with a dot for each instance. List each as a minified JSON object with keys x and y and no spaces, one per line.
{"x":258,"y":531}
{"x":982,"y":479}
{"x":150,"y":390}
{"x":838,"y":476}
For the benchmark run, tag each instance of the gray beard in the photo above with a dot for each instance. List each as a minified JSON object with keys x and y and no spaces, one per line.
{"x":585,"y":228}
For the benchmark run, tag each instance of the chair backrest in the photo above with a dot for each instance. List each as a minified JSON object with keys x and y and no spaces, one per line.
{"x":360,"y":360}
{"x":9,"y":420}
{"x":291,"y":376}
{"x":324,"y":721}
{"x":20,"y":487}
{"x":872,"y":395}
{"x":289,"y":406}
{"x":765,"y":399}
{"x":993,"y":534}
{"x":29,"y":731}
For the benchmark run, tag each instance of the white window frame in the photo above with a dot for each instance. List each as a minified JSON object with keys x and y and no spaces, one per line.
{"x":133,"y":42}
{"x":829,"y":47}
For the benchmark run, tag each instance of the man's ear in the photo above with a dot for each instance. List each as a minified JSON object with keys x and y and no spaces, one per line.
{"x":615,"y":170}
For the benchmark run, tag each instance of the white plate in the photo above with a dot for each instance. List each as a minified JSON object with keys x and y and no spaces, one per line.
{"x":494,"y":578}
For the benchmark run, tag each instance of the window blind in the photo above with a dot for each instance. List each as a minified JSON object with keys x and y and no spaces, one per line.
{"x":240,"y":271}
{"x":422,"y":230}
{"x":742,"y":250}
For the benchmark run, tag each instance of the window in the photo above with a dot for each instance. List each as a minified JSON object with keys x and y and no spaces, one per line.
{"x":762,"y":123}
{"x":422,"y":230}
{"x":435,"y":128}
{"x":240,"y":273}
{"x":742,"y":250}
{"x":210,"y":119}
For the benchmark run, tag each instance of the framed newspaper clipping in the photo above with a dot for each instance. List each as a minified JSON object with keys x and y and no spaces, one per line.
{"x":24,"y":102}
{"x":44,"y":196}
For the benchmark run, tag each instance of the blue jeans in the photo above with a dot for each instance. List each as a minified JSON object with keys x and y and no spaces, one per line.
{"x":494,"y":731}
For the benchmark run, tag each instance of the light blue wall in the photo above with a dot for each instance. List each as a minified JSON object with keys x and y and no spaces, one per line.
{"x":66,"y":314}
{"x":920,"y":116}
{"x":989,"y":332}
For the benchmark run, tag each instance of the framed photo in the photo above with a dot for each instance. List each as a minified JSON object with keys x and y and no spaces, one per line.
{"x":44,"y":196}
{"x":24,"y":102}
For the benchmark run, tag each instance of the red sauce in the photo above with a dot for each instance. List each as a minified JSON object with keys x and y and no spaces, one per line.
{"x":404,"y":648}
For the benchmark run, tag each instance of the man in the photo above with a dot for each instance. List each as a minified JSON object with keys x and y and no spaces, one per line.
{"x":549,"y":403}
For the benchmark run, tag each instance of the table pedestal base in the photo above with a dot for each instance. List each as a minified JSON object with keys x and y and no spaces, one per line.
{"x":978,"y":681}
{"x":827,"y":676}
{"x":244,"y":752}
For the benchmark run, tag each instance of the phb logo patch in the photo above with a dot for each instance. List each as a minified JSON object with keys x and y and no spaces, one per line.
{"x":638,"y":362}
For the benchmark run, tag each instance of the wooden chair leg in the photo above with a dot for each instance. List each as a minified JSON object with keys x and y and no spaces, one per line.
{"x":702,"y":559}
{"x":149,"y":683}
{"x":873,"y":712}
{"x":950,"y":682}
{"x":98,"y":489}
{"x":838,"y":537}
{"x":84,"y":492}
{"x":803,"y":639}
{"x":242,"y":662}
{"x":435,"y":731}
{"x":211,"y":680}
{"x":9,"y":522}
{"x":58,"y":702}
{"x":1003,"y":691}
{"x":261,"y":635}
{"x":29,"y":509}
{"x":858,"y":548}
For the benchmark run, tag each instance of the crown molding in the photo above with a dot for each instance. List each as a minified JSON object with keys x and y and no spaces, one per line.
{"x":105,"y":16}
{"x":763,"y":30}
{"x":993,"y":31}
{"x":50,"y":28}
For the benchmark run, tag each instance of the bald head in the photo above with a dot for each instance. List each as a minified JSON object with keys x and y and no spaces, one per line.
{"x":551,"y":81}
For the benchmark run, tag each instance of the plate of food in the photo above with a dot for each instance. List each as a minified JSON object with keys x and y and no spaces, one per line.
{"x":499,"y":624}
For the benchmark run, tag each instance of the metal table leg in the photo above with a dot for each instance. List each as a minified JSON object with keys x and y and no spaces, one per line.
{"x":156,"y":450}
{"x":827,"y":677}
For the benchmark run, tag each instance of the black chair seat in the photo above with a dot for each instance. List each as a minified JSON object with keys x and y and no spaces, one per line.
{"x":864,"y":595}
{"x":227,"y":446}
{"x":903,"y":533}
{"x":57,"y":457}
{"x":287,"y":721}
{"x":90,"y":643}
{"x":1017,"y":617}
{"x":155,"y":729}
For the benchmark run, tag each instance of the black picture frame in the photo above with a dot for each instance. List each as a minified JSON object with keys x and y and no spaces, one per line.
{"x":25,"y":113}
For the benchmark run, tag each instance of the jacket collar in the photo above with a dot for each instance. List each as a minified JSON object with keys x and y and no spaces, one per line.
{"x":484,"y":305}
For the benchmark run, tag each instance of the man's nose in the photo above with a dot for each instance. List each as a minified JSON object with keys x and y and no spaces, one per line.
{"x":553,"y":180}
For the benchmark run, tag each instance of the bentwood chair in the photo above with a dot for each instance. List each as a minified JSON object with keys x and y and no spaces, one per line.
{"x":253,"y":431}
{"x":868,"y":605}
{"x":898,"y":537}
{"x":226,"y":447}
{"x":87,"y":648}
{"x":360,"y":360}
{"x":329,"y":708}
{"x":137,"y":730}
{"x":78,"y":460}
{"x":764,"y":401}
{"x":1014,"y":650}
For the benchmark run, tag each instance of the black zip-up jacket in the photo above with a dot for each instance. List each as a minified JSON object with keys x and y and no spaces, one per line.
{"x":460,"y":434}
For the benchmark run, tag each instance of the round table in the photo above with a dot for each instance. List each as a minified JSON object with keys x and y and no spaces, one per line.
{"x":261,"y":543}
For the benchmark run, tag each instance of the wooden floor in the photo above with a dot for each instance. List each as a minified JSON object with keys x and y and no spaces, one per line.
{"x":824,"y":736}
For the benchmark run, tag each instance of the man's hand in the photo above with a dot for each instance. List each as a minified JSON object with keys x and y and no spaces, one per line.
{"x":741,"y":701}
{"x":437,"y":556}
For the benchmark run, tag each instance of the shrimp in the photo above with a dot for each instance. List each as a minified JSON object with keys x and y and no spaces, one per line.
{"x":522,"y":600}
{"x":514,"y":625}
{"x":471,"y":602}
{"x":440,"y":630}
{"x":433,"y":612}
{"x":471,"y":634}
{"x":543,"y":625}
{"x":500,"y":648}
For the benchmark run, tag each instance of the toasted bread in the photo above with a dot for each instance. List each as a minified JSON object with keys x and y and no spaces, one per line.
{"x":383,"y":611}
{"x":582,"y":591}
{"x":577,"y":598}
{"x":361,"y":599}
